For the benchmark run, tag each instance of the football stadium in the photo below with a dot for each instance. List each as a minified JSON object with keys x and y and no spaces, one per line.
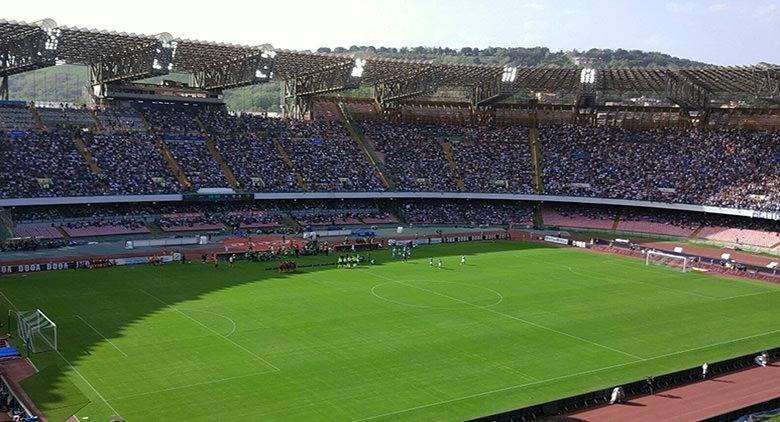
{"x":401,"y":237}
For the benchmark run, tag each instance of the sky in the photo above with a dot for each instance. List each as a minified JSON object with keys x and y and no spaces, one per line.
{"x":723,"y":32}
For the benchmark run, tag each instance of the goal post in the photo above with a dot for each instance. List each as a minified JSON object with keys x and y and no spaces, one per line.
{"x":37,"y":330}
{"x":663,"y":258}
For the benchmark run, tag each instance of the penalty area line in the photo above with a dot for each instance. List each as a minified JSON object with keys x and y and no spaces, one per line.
{"x":101,"y":334}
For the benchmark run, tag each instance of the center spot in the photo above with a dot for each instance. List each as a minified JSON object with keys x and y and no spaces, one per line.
{"x":437,"y":294}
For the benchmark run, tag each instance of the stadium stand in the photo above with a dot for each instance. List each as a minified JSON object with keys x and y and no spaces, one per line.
{"x":66,"y":117}
{"x":328,"y":158}
{"x":492,"y":159}
{"x":120,"y":119}
{"x":564,"y":215}
{"x":246,"y":143}
{"x":16,"y":116}
{"x":44,"y":164}
{"x":671,"y":223}
{"x":733,"y":168}
{"x":130,"y":163}
{"x":413,"y":154}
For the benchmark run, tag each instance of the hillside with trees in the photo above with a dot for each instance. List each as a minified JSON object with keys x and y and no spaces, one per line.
{"x":69,"y":83}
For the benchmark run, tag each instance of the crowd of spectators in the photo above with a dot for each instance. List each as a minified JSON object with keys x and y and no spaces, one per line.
{"x":413,"y":153}
{"x":130,"y":163}
{"x":731,"y":168}
{"x":719,"y":167}
{"x":246,"y":142}
{"x":197,"y":163}
{"x":44,"y":164}
{"x":495,"y":159}
{"x":328,"y":158}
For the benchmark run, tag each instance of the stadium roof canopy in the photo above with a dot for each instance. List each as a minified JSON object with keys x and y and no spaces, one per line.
{"x":117,"y":57}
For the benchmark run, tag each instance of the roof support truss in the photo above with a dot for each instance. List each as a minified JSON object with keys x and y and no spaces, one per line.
{"x":235,"y":73}
{"x":686,"y":93}
{"x":389,"y":92}
{"x":767,"y":84}
{"x":152,"y":60}
{"x":34,"y":49}
{"x":298,"y":91}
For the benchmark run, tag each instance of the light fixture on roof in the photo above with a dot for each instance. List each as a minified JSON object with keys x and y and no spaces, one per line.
{"x":509,"y":74}
{"x":587,"y":76}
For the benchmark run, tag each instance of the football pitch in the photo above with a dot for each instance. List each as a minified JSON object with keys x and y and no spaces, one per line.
{"x":519,"y":324}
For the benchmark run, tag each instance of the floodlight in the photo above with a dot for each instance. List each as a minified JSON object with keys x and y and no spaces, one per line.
{"x":357,"y":69}
{"x":509,"y":75}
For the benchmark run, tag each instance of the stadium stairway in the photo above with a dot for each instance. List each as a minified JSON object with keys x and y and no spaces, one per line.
{"x":365,"y":146}
{"x":215,"y":154}
{"x":447,"y":148}
{"x":82,"y":147}
{"x":37,"y":118}
{"x":93,"y":114}
{"x":286,"y":158}
{"x":696,"y":232}
{"x":536,"y":160}
{"x":616,"y":223}
{"x":166,"y":153}
{"x":174,"y":166}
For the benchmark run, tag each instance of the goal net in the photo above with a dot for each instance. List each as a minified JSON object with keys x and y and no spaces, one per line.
{"x":38,"y":332}
{"x":667,"y":259}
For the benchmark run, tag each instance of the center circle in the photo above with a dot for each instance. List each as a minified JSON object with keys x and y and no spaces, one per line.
{"x":432,"y":294}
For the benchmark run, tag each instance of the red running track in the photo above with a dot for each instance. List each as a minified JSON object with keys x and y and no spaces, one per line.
{"x":696,"y":401}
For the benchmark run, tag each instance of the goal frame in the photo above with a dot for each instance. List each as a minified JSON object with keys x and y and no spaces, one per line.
{"x":685,"y":260}
{"x":32,"y":324}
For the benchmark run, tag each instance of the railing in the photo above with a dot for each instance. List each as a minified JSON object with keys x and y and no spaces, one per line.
{"x":107,"y":199}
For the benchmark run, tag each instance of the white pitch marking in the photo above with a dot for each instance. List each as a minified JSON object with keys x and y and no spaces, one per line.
{"x":513,"y":317}
{"x":528,"y":384}
{"x":100,"y":334}
{"x":212,"y":330}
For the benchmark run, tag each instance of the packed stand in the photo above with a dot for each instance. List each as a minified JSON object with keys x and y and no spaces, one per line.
{"x":246,"y":143}
{"x":130,"y":163}
{"x":413,"y":154}
{"x":197,"y":163}
{"x":730,"y":168}
{"x":495,"y":159}
{"x":44,"y":164}
{"x":328,"y":158}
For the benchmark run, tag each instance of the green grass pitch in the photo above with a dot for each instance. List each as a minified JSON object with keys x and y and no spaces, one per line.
{"x":519,"y":324}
